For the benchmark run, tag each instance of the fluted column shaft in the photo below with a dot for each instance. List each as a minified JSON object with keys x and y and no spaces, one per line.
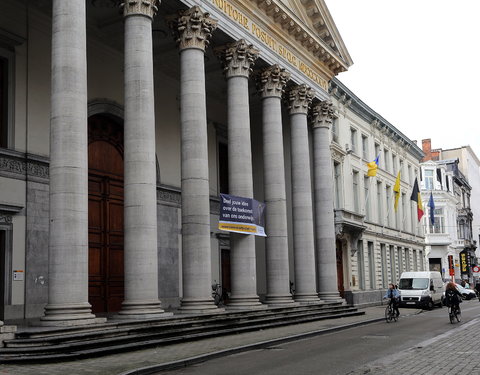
{"x":271,"y":82}
{"x":324,"y":214}
{"x":299,"y":99}
{"x":194,"y":28}
{"x":238,"y":58}
{"x":68,"y":241}
{"x":140,"y":206}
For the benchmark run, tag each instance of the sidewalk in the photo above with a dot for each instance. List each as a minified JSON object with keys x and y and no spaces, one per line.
{"x":180,"y":354}
{"x":453,"y":353}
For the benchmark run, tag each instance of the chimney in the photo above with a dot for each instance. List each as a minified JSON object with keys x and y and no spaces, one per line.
{"x":427,"y":149}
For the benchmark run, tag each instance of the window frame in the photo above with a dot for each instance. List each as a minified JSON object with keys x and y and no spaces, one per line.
{"x":429,"y":180}
{"x":364,"y":146}
{"x":9,"y":57}
{"x":353,"y":139}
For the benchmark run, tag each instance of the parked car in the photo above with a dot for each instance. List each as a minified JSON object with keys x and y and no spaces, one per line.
{"x":466,"y":293}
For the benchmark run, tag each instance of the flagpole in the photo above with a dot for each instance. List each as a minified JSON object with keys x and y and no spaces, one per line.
{"x":367,"y":196}
{"x":388,"y":212}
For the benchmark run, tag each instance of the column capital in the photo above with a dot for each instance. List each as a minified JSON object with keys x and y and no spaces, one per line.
{"x":272,"y":80}
{"x":323,"y":114}
{"x":238,"y":58}
{"x":300,"y":98}
{"x":193,"y":28}
{"x":140,"y":8}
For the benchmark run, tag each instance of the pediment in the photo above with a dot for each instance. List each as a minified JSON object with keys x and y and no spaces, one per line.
{"x":315,"y":16}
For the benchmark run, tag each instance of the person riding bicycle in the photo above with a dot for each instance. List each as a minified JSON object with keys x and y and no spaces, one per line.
{"x":452,"y":295}
{"x":394,"y":296}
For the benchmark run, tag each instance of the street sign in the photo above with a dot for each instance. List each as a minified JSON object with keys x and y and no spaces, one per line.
{"x":476,"y":268}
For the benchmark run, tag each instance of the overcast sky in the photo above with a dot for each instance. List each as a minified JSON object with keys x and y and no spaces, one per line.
{"x":417,"y":64}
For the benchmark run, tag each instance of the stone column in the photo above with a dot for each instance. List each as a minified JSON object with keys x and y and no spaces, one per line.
{"x":271,"y":82}
{"x":193,"y":29}
{"x":238,"y":59}
{"x":68,"y":241}
{"x":140,"y":210}
{"x":299,"y":100}
{"x":324,"y":214}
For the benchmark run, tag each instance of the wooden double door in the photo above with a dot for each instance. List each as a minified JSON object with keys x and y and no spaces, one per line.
{"x":105,"y":215}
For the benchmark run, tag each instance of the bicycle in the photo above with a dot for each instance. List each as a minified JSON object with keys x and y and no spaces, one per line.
{"x":390,"y":313}
{"x":217,"y":294}
{"x":454,"y":313}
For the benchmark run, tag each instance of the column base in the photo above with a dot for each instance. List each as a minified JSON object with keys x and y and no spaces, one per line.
{"x":280,"y":300}
{"x":307,"y":298}
{"x":61,"y":315}
{"x":245,"y":303}
{"x":7,"y":333}
{"x":198,"y":306}
{"x":331,"y":297}
{"x":141,"y":310}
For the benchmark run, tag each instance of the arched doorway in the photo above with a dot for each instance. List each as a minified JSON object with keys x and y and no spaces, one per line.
{"x":105,"y":213}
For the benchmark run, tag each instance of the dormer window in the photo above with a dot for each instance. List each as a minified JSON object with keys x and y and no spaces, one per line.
{"x":429,"y":179}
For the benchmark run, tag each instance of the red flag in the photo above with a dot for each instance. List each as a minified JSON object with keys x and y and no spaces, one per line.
{"x":417,"y":198}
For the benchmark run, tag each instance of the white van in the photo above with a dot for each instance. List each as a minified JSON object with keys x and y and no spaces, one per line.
{"x":421,"y":289}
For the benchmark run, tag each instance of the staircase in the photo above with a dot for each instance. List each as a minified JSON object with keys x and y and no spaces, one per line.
{"x":68,"y":343}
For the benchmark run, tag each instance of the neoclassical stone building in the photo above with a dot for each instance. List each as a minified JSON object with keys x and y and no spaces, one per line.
{"x":117,"y":138}
{"x":374,"y":243}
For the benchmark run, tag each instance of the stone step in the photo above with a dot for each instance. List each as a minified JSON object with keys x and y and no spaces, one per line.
{"x":176,"y":319}
{"x":163,"y":329}
{"x":134,"y":337}
{"x":101,"y":347}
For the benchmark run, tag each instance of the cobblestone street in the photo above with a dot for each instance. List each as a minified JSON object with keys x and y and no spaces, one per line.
{"x":455,"y":352}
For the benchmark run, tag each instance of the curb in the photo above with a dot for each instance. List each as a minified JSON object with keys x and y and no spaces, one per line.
{"x":149,"y":370}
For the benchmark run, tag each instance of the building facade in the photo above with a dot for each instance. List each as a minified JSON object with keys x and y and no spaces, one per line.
{"x":450,"y":240}
{"x":469,"y":166}
{"x":375,"y":242}
{"x":117,"y":138}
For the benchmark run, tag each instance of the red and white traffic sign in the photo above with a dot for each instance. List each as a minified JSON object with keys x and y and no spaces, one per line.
{"x":476,"y":268}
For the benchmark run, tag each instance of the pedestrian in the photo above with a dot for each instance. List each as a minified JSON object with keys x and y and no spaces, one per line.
{"x":394,"y":295}
{"x":477,"y":289}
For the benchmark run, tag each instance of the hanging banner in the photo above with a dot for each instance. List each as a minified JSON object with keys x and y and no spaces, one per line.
{"x":465,"y":262}
{"x":241,"y":215}
{"x":451,"y":266}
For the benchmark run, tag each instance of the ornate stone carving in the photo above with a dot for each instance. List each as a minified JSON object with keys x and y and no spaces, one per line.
{"x":337,"y":153}
{"x":271,"y":81}
{"x":170,"y":196}
{"x":140,"y":7}
{"x":238,"y":58}
{"x":14,"y":167}
{"x":5,"y":219}
{"x":193,"y":28}
{"x":323,"y":114}
{"x":300,"y":98}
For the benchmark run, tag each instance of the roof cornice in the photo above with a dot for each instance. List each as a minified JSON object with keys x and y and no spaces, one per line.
{"x":356,"y":105}
{"x":324,"y":42}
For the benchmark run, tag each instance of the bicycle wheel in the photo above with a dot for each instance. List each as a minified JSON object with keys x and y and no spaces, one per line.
{"x":451,"y":315}
{"x":458,"y":315}
{"x":388,"y":314}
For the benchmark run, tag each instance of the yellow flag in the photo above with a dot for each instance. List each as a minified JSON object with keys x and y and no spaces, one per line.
{"x":396,"y":190}
{"x":372,"y":167}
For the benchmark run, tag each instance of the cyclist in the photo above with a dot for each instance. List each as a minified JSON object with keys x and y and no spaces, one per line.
{"x":453,"y":296}
{"x":394,"y":296}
